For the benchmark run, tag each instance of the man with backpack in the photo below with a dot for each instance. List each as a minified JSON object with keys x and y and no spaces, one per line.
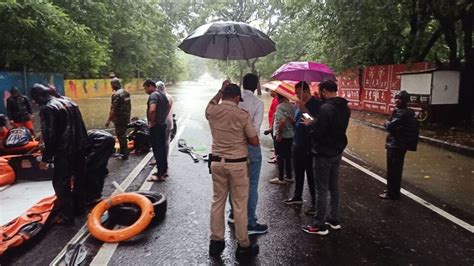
{"x":403,"y":132}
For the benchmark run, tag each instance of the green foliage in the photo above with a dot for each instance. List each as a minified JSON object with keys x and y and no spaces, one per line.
{"x":89,"y":38}
{"x":344,"y":34}
{"x":41,"y":37}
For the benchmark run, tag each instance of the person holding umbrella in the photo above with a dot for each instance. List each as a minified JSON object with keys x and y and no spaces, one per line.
{"x":254,"y":106}
{"x":283,"y":131}
{"x":308,"y":106}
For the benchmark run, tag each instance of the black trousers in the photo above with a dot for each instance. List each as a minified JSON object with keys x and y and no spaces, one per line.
{"x":69,"y":185}
{"x":303,"y":163}
{"x":395,"y":160}
{"x":158,"y":144}
{"x":283,"y":152}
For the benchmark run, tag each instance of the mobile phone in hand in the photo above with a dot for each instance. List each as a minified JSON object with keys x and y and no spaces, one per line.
{"x":307,"y":116}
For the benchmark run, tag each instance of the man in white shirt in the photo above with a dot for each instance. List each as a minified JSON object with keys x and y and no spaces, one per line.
{"x":254,"y":106}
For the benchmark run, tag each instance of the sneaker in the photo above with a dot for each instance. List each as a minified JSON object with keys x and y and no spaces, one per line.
{"x":288,"y":180}
{"x":385,"y":196}
{"x":278,"y":181}
{"x":274,"y":160}
{"x":315,"y":230}
{"x":310,"y":211}
{"x":258,"y":229}
{"x":245,"y":253}
{"x":216,"y":247}
{"x":334,"y":224}
{"x":293,"y":200}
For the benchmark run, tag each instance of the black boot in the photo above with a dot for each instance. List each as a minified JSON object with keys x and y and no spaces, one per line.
{"x":216,"y":247}
{"x":247,"y":252}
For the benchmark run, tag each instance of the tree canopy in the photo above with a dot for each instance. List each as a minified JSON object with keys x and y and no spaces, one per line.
{"x":88,"y":38}
{"x":139,"y":37}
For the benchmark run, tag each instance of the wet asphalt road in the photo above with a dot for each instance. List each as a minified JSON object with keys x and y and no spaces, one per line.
{"x":374,"y":231}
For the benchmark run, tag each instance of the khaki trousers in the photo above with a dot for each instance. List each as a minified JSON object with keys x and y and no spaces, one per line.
{"x":233,"y":178}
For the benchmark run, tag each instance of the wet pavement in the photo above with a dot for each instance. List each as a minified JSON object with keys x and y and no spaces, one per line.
{"x":373,"y":231}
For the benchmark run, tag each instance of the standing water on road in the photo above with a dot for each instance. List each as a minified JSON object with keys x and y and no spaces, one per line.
{"x":444,"y":175}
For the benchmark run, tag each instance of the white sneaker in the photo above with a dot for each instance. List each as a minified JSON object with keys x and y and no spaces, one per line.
{"x":277,"y":181}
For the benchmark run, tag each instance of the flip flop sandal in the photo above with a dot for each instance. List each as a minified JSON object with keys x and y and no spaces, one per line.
{"x":154,"y":178}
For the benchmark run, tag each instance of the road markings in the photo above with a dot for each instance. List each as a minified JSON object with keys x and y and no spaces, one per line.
{"x":83,"y":234}
{"x":414,"y":197}
{"x":107,"y":250}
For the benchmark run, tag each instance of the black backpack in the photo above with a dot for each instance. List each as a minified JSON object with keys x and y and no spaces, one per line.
{"x":411,"y":132}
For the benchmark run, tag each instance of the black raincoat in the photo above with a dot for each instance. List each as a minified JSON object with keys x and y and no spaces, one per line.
{"x":65,"y":139}
{"x":329,"y":131}
{"x":403,"y":130}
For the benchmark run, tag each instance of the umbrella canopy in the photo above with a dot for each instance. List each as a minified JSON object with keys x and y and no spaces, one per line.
{"x":287,"y":88}
{"x":307,"y":71}
{"x":227,"y":40}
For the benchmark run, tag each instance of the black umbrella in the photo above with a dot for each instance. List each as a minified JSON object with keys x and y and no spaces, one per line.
{"x":227,"y":41}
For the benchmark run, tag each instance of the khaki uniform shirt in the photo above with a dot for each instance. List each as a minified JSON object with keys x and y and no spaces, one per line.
{"x":231,"y":126}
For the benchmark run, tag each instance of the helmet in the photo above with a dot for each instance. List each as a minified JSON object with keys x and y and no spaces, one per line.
{"x":403,"y":96}
{"x":40,"y":94}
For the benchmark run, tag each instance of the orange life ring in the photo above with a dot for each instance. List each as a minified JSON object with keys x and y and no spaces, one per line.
{"x":98,"y":231}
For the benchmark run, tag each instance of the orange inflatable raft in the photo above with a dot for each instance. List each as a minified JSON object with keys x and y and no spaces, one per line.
{"x":29,"y":224}
{"x":30,"y":147}
{"x":7,"y":175}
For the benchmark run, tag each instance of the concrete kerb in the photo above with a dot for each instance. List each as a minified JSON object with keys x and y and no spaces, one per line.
{"x":463,"y":149}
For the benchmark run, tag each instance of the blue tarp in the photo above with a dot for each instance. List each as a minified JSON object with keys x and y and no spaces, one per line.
{"x":10,"y":79}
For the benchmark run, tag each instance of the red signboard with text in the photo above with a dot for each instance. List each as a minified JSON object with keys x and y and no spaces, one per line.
{"x":375,"y":95}
{"x":373,"y":88}
{"x":348,"y":84}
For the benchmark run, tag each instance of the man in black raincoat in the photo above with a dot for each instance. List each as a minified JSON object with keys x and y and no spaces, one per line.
{"x":65,"y":138}
{"x":403,"y":131}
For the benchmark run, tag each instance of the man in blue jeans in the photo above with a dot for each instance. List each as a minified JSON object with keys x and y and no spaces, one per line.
{"x":254,"y":106}
{"x":329,"y":141}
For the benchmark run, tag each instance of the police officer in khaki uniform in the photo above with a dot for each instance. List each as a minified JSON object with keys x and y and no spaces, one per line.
{"x":120,"y":115}
{"x":232,"y":129}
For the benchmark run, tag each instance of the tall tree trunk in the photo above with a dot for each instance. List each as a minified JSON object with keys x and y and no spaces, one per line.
{"x":428,"y":46}
{"x":449,"y":31}
{"x":467,"y":27}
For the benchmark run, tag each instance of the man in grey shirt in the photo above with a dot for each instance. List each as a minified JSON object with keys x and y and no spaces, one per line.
{"x":158,"y":108}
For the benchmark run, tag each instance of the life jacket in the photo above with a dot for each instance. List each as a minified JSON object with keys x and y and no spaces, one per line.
{"x":7,"y":175}
{"x":17,"y":141}
{"x":19,"y":136}
{"x":26,"y":226}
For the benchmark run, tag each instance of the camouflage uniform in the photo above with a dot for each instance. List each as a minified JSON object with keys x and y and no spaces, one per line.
{"x":121,"y":107}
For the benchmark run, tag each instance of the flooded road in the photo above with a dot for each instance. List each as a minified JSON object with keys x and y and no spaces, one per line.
{"x":374,"y":232}
{"x":444,"y":175}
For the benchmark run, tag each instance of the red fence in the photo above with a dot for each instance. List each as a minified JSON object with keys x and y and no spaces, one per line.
{"x":372,"y":88}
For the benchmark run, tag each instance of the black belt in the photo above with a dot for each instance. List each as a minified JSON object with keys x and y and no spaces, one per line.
{"x":218,"y":159}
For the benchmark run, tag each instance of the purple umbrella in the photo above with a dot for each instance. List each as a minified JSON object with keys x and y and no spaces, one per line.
{"x":307,"y":71}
